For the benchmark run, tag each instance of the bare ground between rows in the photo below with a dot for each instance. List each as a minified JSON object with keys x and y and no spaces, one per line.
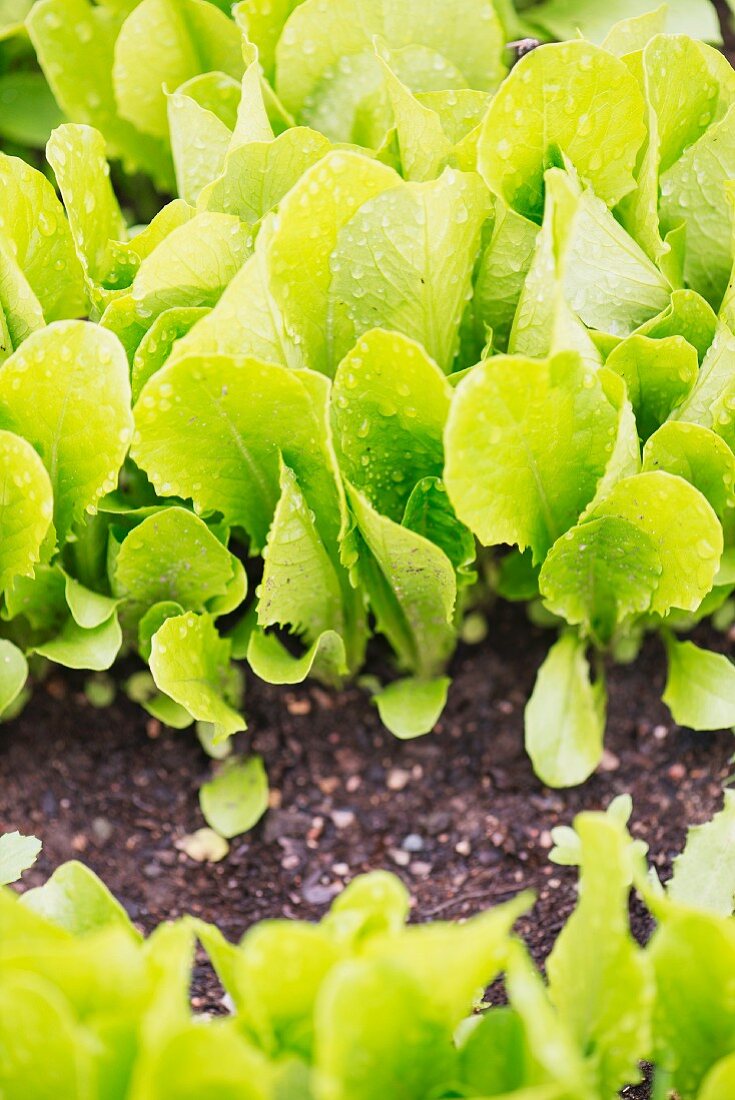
{"x":458,"y":815}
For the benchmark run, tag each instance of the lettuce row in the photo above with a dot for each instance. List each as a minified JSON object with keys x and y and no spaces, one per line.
{"x":365,"y":1006}
{"x":109,"y":65}
{"x":405,"y":307}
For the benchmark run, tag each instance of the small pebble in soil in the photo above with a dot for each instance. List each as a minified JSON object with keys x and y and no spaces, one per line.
{"x":609,"y":762}
{"x":317,"y":893}
{"x":298,"y":707}
{"x":399,"y":857}
{"x":342,"y":819}
{"x":412,"y":843}
{"x":398,"y":779}
{"x":437,"y":822}
{"x":102,"y":829}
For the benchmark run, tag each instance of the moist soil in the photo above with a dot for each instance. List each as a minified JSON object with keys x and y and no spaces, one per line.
{"x":459,"y":814}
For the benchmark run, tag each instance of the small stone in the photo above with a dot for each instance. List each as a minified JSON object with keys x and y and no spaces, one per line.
{"x":49,"y":805}
{"x":412,"y":843}
{"x":463,"y":848}
{"x":660,"y":732}
{"x":341,"y":869}
{"x":153,"y":728}
{"x":438,"y":822}
{"x":319,"y":894}
{"x":677,"y":771}
{"x":398,"y":779}
{"x":275,"y":799}
{"x":609,"y":762}
{"x":298,"y":707}
{"x":102,"y":830}
{"x":399,"y":857}
{"x":79,"y":842}
{"x":343,"y":819}
{"x":420,"y":869}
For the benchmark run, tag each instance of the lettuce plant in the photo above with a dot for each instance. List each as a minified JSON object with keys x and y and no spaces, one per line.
{"x":362,"y":1006}
{"x":406,"y":305}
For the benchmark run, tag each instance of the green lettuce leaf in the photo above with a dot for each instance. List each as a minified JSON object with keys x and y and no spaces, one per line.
{"x":191,"y":664}
{"x":328,"y":77}
{"x":157,"y":346}
{"x":700,"y":688}
{"x":302,"y":589}
{"x":198,"y":39}
{"x":692,"y":193}
{"x":236,"y":799}
{"x":202,"y":113}
{"x":567,"y":18}
{"x":247,"y":319}
{"x":17,"y":854}
{"x":309,"y":222}
{"x":76,"y":373}
{"x":76,"y":646}
{"x":191,"y":266}
{"x":406,"y":257}
{"x":704,"y":873}
{"x":172,"y":556}
{"x":411,"y":587}
{"x":536,"y":99}
{"x":41,"y":241}
{"x":699,"y":456}
{"x":390,"y":403}
{"x":75,"y":43}
{"x":693,"y":1017}
{"x":601,"y":983}
{"x":527,"y":442}
{"x":599,"y":574}
{"x":565,"y":716}
{"x":659,"y":374}
{"x":236,"y":415}
{"x":74,"y":899}
{"x":256,"y":175}
{"x":26,"y":508}
{"x":502,"y":272}
{"x":411,"y":708}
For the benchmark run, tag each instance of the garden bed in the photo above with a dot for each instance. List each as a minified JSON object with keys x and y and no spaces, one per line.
{"x":286,"y":428}
{"x":459,"y":815}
